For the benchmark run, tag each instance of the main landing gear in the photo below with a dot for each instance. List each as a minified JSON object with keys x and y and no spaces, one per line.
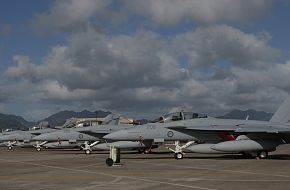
{"x":178,"y":154}
{"x":88,"y":147}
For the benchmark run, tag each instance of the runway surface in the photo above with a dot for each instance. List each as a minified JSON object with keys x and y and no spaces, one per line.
{"x":73,"y":170}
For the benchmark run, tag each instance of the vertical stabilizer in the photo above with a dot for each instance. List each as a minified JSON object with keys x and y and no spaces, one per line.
{"x":282,"y":115}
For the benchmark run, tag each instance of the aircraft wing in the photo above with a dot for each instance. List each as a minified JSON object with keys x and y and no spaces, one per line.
{"x":237,"y":128}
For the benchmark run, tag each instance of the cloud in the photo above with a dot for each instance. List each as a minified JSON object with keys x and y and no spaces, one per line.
{"x":23,"y":68}
{"x":213,"y":68}
{"x":74,"y":15}
{"x":222,"y":44}
{"x":172,"y":12}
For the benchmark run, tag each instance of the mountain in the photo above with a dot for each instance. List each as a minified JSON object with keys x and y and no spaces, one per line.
{"x":253,"y":115}
{"x":13,"y":121}
{"x":59,"y":118}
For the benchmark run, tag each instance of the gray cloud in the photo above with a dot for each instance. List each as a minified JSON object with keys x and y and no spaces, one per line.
{"x":222,"y":44}
{"x":172,"y":12}
{"x":224,"y":68}
{"x":74,"y":16}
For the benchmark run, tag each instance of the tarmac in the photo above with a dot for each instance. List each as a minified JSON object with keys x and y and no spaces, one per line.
{"x":24,"y":168}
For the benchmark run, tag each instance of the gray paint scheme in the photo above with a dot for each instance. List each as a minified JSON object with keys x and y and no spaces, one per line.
{"x":212,"y":135}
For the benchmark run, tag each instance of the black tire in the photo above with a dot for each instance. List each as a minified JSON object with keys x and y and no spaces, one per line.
{"x":263,"y":154}
{"x":109,"y":162}
{"x":140,"y":151}
{"x":178,"y":156}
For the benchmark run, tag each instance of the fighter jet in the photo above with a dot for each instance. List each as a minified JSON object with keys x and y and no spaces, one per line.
{"x":68,"y":135}
{"x":89,"y":136}
{"x":24,"y":138}
{"x":155,"y":133}
{"x":212,"y":135}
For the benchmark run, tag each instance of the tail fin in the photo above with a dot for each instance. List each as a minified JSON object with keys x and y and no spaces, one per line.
{"x":282,"y":115}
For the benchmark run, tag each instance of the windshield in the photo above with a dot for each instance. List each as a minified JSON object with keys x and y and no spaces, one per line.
{"x":177,"y":116}
{"x":74,"y":122}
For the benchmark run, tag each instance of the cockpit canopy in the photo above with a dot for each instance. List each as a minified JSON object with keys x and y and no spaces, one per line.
{"x":81,"y":122}
{"x":7,"y":130}
{"x":41,"y":125}
{"x":177,"y":116}
{"x":35,"y":128}
{"x":117,"y":119}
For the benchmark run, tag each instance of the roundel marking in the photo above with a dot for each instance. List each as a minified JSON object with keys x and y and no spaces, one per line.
{"x":81,"y":136}
{"x":170,"y":134}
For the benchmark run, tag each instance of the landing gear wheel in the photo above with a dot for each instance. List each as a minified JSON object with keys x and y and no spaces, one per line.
{"x":263,"y":154}
{"x":88,"y":151}
{"x":140,"y":151}
{"x":178,"y":155}
{"x":109,"y":162}
{"x":38,"y":149}
{"x":147,"y":151}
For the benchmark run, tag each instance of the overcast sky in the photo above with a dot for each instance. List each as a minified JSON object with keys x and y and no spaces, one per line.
{"x":143,"y":57}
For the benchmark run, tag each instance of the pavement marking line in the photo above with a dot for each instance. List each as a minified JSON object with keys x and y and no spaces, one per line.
{"x":91,"y":186}
{"x":106,"y":174}
{"x":221,"y":170}
{"x":223,"y":180}
{"x":90,"y":165}
{"x":244,"y":180}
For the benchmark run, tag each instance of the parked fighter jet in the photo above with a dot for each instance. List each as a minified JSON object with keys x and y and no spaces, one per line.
{"x":23,"y":138}
{"x":212,"y":135}
{"x":68,"y":135}
{"x":92,"y":133}
{"x":155,"y":133}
